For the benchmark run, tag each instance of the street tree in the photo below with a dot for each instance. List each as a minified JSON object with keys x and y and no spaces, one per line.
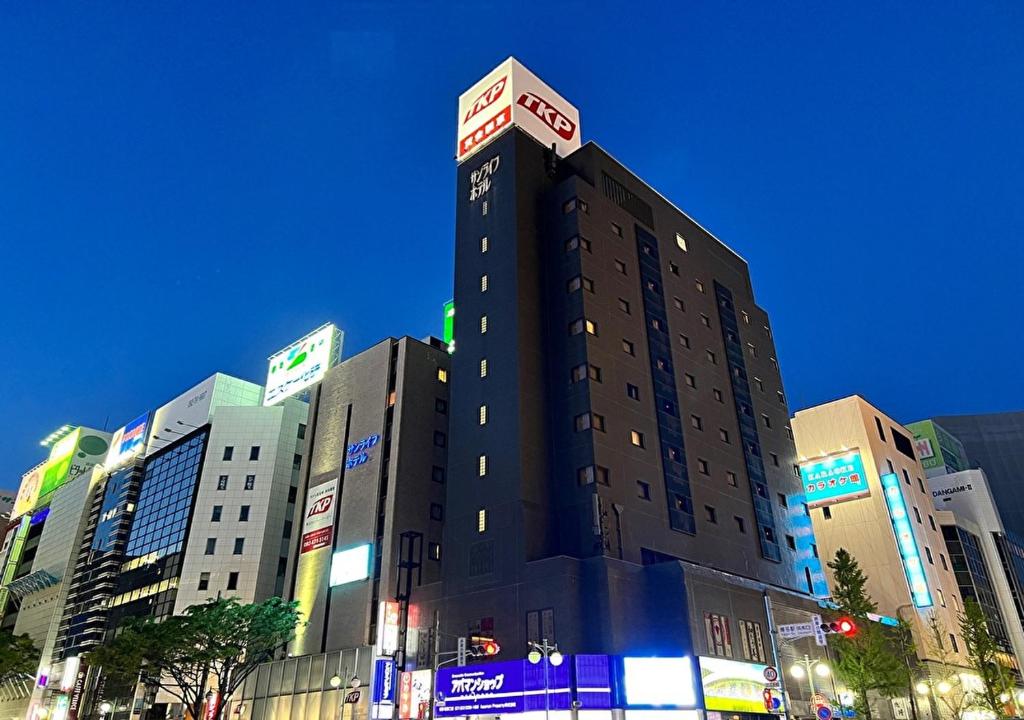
{"x":19,"y":657}
{"x":221,"y":640}
{"x":945,"y":681}
{"x":865,"y":661}
{"x":983,"y":655}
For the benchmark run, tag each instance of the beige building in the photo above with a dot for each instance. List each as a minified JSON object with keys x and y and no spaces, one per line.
{"x":851,"y":511}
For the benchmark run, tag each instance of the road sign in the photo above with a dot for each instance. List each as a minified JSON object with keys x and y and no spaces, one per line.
{"x":771,"y":674}
{"x":824,"y":712}
{"x":795,"y":630}
{"x":819,"y":634}
{"x":461,"y":654}
{"x":352,"y":697}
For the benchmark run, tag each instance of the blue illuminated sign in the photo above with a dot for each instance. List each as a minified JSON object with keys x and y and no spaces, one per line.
{"x":502,"y":688}
{"x":834,"y":479}
{"x":357,"y":453}
{"x":906,"y":542}
{"x":384,"y":680}
{"x":807,"y":562}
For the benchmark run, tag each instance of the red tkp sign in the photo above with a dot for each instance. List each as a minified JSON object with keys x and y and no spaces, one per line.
{"x":550,"y":115}
{"x":487,"y":97}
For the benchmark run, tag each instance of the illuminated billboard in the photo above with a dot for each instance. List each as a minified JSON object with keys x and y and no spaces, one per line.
{"x":28,"y":491}
{"x":72,"y":456}
{"x":59,"y":463}
{"x":350,"y":565}
{"x":731,"y":686}
{"x":302,"y":363}
{"x":449,"y":325}
{"x":910,"y":556}
{"x":658,"y":682}
{"x":512,"y":95}
{"x":834,"y":479}
{"x":128,"y":442}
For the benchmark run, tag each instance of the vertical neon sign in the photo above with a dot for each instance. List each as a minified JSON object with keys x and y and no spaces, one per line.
{"x":906,"y":542}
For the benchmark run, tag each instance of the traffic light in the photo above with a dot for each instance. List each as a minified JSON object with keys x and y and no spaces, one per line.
{"x":484,"y":646}
{"x":844,"y":626}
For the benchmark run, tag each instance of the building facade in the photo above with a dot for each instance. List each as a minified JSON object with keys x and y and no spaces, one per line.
{"x":868,"y":495}
{"x":616,"y":404}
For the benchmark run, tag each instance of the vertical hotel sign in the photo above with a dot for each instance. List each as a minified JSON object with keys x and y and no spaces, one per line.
{"x":905,"y":541}
{"x":318,"y":524}
{"x":512,"y":95}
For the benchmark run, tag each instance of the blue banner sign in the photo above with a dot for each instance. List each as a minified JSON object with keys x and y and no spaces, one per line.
{"x":834,"y":479}
{"x":504,"y":687}
{"x":384,"y":680}
{"x":905,"y":540}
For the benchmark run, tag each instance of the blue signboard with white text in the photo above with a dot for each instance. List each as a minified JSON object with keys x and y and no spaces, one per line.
{"x":503,"y":687}
{"x":833,"y":479}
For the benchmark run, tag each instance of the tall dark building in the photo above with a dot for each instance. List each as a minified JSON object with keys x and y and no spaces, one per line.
{"x":995,"y":442}
{"x":621,"y":468}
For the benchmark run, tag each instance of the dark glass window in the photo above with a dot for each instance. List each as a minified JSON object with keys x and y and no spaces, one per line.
{"x":215,"y":515}
{"x":243,"y":514}
{"x":233,"y":581}
{"x":211,"y":546}
{"x":222,"y":482}
{"x":229,"y":452}
{"x":254,"y":452}
{"x":239,"y":546}
{"x":250,"y":482}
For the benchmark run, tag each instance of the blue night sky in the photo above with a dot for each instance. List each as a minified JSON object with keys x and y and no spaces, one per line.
{"x":186,"y":187}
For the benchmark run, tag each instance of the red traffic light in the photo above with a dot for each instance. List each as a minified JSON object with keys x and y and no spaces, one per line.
{"x":491,"y":648}
{"x":844,"y":626}
{"x":485,"y":646}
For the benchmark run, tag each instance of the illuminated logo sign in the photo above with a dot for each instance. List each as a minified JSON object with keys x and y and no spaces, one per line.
{"x":555,"y":120}
{"x":833,"y":479}
{"x":923,"y":446}
{"x":512,"y":95}
{"x":905,"y":541}
{"x":489,"y":97}
{"x":318,"y":525}
{"x":384,"y":680}
{"x":480,"y":179}
{"x":414,"y":694}
{"x":737,"y":687}
{"x":357,"y":453}
{"x":302,"y":364}
{"x":350,"y":565}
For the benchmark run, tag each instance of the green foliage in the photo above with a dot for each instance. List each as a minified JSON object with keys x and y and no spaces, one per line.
{"x":18,"y":656}
{"x":944,"y":672}
{"x":848,"y":587}
{"x":222,"y":640}
{"x":983,"y":654}
{"x":865,"y":662}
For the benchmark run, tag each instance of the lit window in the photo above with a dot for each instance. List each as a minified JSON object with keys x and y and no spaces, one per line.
{"x":746,"y":318}
{"x":483,"y":414}
{"x":483,"y":283}
{"x":637,"y":438}
{"x":483,"y":324}
{"x":591,"y":327}
{"x":434,"y":550}
{"x":483,"y":244}
{"x":442,"y":375}
{"x":481,"y":520}
{"x":483,"y":367}
{"x":681,"y":242}
{"x":482,"y":466}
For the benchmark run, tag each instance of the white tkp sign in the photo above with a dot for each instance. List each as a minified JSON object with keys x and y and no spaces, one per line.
{"x":318,"y":525}
{"x":512,"y":95}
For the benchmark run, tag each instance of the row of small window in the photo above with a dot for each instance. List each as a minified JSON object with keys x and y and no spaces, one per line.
{"x":250,"y":482}
{"x":211,"y":546}
{"x":218,"y":511}
{"x":254,"y":451}
{"x":204,"y":581}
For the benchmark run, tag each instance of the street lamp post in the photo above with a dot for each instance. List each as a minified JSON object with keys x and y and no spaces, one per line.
{"x":550,"y":655}
{"x":809,"y":668}
{"x":353,"y":683}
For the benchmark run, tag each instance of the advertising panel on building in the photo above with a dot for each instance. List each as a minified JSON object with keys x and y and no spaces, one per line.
{"x":191,"y":408}
{"x":414,"y":694}
{"x":301,"y":364}
{"x":128,"y":442}
{"x":389,"y":620}
{"x":499,"y":688}
{"x":28,"y":491}
{"x":905,"y":541}
{"x":732,"y":686}
{"x":512,"y":95}
{"x":318,"y":525}
{"x":834,"y":479}
{"x":350,"y":565}
{"x":383,"y":697}
{"x":658,"y":682}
